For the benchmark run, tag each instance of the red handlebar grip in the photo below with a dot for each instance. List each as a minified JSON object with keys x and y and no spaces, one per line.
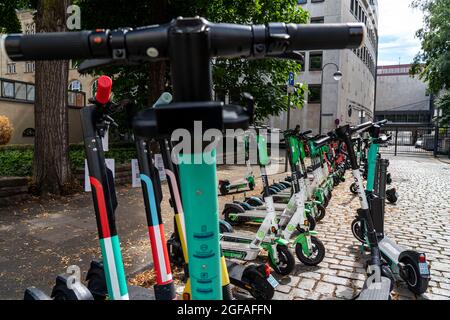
{"x":104,"y":85}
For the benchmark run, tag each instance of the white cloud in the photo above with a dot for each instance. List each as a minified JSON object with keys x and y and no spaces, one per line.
{"x":398,"y":23}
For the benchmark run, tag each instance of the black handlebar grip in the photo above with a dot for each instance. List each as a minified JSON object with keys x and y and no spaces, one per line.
{"x":304,"y":133}
{"x":328,"y":36}
{"x":48,"y":46}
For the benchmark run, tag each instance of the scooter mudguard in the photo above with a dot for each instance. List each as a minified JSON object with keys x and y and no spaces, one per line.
{"x":200,"y":206}
{"x":414,"y":256}
{"x":282,"y":242}
{"x":255,"y":201}
{"x":302,"y":240}
{"x":237,"y":208}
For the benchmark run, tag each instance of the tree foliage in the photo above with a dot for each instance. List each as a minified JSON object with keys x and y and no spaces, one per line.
{"x":9,"y":22}
{"x":443,"y":103}
{"x":433,"y":62}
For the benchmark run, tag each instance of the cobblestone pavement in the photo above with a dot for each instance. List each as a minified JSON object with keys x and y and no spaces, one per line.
{"x":420,"y":220}
{"x":38,"y":240}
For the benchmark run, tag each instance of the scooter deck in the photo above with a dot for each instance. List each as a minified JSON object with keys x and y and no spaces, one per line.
{"x":239,"y":247}
{"x":390,"y":248}
{"x":376,"y":291}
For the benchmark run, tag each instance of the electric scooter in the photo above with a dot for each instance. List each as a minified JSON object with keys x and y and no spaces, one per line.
{"x":243,"y":212}
{"x":314,"y":202}
{"x":225,"y":186}
{"x":256,"y":279}
{"x":378,"y":285}
{"x":409,"y":265}
{"x":189,"y":44}
{"x":269,"y":235}
{"x":95,"y":121}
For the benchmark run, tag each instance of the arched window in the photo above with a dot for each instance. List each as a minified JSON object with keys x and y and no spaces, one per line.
{"x":28,"y":133}
{"x":75,"y":85}
{"x":94,"y":87}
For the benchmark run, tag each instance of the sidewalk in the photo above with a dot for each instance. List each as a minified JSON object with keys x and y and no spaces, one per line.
{"x":40,"y":240}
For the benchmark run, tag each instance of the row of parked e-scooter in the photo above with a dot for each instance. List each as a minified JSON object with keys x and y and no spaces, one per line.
{"x":212,"y":254}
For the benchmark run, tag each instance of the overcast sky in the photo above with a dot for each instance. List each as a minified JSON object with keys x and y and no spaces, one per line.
{"x":398,"y":24}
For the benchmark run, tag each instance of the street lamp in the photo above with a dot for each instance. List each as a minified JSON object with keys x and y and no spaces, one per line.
{"x":336,"y":76}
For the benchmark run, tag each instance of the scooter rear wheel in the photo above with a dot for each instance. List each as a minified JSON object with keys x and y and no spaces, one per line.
{"x":286,"y":261}
{"x":411,"y":275}
{"x":223,"y":188}
{"x":260,"y":288}
{"x":227,"y":217}
{"x":317,"y":255}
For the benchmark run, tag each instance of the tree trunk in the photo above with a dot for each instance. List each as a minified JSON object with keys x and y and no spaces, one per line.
{"x":157,"y":70}
{"x":51,"y":174}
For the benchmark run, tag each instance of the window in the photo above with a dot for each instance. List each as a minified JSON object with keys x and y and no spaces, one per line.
{"x":301,"y":1}
{"x":94,"y":87}
{"x":20,"y":91}
{"x":28,"y":133}
{"x":30,"y":28}
{"x":10,"y":68}
{"x":315,"y":93}
{"x":352,"y":6}
{"x":318,"y":20}
{"x":75,"y":85}
{"x":303,"y":63}
{"x":29,"y":67}
{"x":8,"y":89}
{"x":30,"y":92}
{"x":315,"y":61}
{"x":74,"y":64}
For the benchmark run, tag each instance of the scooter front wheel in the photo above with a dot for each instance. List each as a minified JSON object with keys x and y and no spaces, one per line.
{"x":286,"y":261}
{"x":317,"y":254}
{"x":358,"y":231}
{"x":311,"y":221}
{"x":354,"y":188}
{"x":321,"y":211}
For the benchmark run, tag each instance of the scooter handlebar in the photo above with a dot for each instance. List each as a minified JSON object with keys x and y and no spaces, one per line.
{"x":361,"y":127}
{"x":153,"y":42}
{"x":48,"y":46}
{"x":323,"y":141}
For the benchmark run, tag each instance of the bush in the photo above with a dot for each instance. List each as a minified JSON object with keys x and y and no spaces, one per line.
{"x":18,"y":160}
{"x":6,"y":130}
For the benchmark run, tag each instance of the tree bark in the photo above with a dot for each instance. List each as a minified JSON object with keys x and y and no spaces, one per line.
{"x":157,"y":70}
{"x":51,"y":174}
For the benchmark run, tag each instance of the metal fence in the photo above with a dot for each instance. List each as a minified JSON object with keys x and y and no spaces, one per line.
{"x":414,"y":139}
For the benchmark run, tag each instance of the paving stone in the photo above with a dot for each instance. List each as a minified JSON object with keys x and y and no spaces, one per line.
{"x":290,"y":281}
{"x":325,"y":288}
{"x":344,"y":292}
{"x":283,"y":288}
{"x":442,"y":292}
{"x":305,"y":294}
{"x":336,"y":280}
{"x":306,"y":284}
